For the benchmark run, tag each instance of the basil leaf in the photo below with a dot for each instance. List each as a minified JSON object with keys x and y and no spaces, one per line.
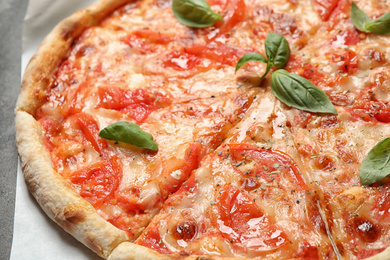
{"x":380,"y":25}
{"x":359,"y":18}
{"x":129,"y":133}
{"x":269,"y":66}
{"x":277,"y":50}
{"x":376,"y":165}
{"x":363,"y":23}
{"x":296,"y":91}
{"x":194,"y":13}
{"x":251,"y":56}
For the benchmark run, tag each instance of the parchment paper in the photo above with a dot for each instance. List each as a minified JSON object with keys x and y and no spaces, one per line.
{"x":35,"y":235}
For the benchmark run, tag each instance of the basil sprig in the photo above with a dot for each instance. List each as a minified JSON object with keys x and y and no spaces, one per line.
{"x":376,"y":165}
{"x":296,"y":91}
{"x":276,"y":49}
{"x":291,"y":89}
{"x":195,"y":13}
{"x":363,"y":23}
{"x":129,"y":133}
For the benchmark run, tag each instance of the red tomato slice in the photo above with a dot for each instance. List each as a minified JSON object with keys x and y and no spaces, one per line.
{"x":243,"y":223}
{"x":347,"y":62}
{"x":305,"y":69}
{"x":193,"y":154}
{"x":371,"y":111}
{"x":348,"y":37}
{"x":267,"y":163}
{"x":235,"y":11}
{"x":151,"y":238}
{"x":221,"y":54}
{"x":152,"y":36}
{"x":91,"y":131}
{"x":181,"y":61}
{"x":325,"y":8}
{"x":138,"y":104}
{"x":99,"y":181}
{"x":144,"y":40}
{"x":76,"y":99}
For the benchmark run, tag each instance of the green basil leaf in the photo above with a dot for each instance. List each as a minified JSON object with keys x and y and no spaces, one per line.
{"x":251,"y":56}
{"x":380,"y":25}
{"x":359,"y":18}
{"x":277,"y":50}
{"x":129,"y":133}
{"x":376,"y":165}
{"x":269,"y":66}
{"x":194,"y":13}
{"x":296,"y":91}
{"x":363,"y":23}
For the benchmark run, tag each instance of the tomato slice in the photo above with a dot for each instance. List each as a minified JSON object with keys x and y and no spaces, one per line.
{"x":348,"y":37}
{"x":173,"y":177}
{"x":151,"y":238}
{"x":218,"y":53}
{"x":268,"y":164}
{"x":347,"y":62}
{"x":243,"y":223}
{"x":181,"y":61}
{"x":371,"y":111}
{"x":152,"y":36}
{"x":91,"y":131}
{"x":305,"y":69}
{"x":138,"y":104}
{"x":99,"y":181}
{"x":325,"y":8}
{"x":235,"y":11}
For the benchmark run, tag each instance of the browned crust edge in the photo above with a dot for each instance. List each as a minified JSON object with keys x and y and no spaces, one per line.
{"x":54,"y":48}
{"x":130,"y":251}
{"x":54,"y":194}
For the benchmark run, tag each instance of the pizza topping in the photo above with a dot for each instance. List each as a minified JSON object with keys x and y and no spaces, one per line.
{"x":243,"y":223}
{"x":376,"y":165}
{"x":363,"y":23}
{"x":185,"y":231}
{"x":99,"y":181}
{"x":298,"y":92}
{"x":151,"y":238}
{"x":277,"y":51}
{"x":235,"y":11}
{"x":325,"y":8}
{"x":347,"y":62}
{"x":195,"y":13}
{"x":347,"y":37}
{"x":129,"y":133}
{"x":270,"y":165}
{"x":364,"y":229}
{"x":138,"y":104}
{"x":91,"y":130}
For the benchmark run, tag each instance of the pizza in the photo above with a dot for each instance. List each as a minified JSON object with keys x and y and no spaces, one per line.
{"x":159,"y":129}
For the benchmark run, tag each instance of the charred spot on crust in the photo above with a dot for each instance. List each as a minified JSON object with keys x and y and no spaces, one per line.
{"x":73,"y":215}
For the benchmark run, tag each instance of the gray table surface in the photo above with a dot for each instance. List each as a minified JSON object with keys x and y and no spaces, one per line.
{"x":11,"y":25}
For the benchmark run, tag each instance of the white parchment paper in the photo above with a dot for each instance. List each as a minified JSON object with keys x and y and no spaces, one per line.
{"x":35,"y":236}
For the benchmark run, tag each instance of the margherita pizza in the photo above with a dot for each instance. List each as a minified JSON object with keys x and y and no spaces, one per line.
{"x":159,"y":129}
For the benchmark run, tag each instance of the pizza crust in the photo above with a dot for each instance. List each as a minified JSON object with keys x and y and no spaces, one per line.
{"x":54,"y":194}
{"x":54,"y":48}
{"x":129,"y":251}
